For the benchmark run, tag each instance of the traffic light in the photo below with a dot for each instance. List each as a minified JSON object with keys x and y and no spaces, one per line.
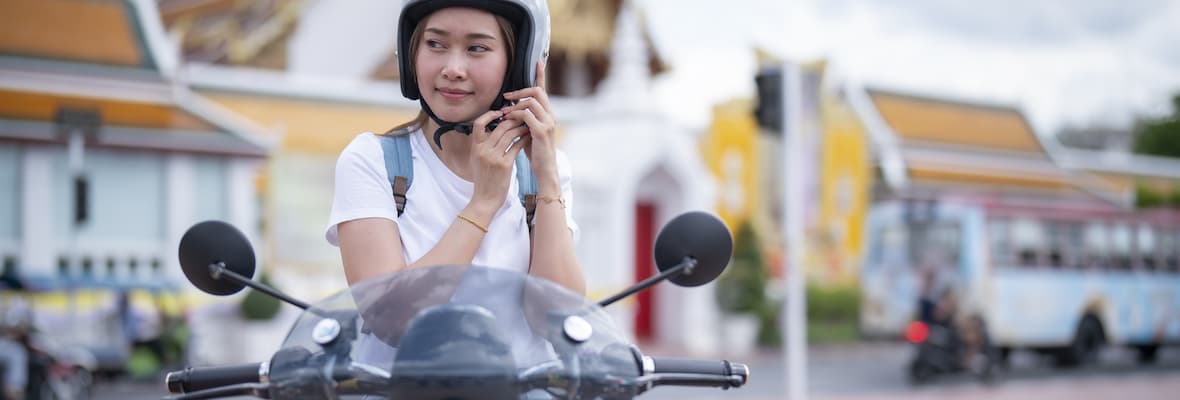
{"x":769,"y":111}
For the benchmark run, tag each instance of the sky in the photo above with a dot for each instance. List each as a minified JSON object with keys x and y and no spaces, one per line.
{"x":1067,"y":63}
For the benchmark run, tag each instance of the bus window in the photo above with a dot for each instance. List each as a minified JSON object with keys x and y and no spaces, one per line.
{"x":1001,"y":248}
{"x":1095,"y":242}
{"x":1145,"y":245}
{"x":891,"y":250}
{"x":1028,"y":238}
{"x":1064,"y":241}
{"x":1172,"y":256}
{"x":935,"y":245}
{"x":1120,"y":238}
{"x":1074,"y":245}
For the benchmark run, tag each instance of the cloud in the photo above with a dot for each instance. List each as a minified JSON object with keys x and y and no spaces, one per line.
{"x":1063,"y":61}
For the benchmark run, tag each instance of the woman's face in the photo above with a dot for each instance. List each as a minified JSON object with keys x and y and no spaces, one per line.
{"x":461,"y":62}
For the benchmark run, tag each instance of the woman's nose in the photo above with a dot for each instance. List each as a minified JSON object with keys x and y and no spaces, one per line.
{"x":455,"y":68}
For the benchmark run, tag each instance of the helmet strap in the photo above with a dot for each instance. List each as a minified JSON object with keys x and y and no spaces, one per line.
{"x":461,"y":127}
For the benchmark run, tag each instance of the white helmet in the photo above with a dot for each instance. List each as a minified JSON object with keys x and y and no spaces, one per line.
{"x":529,"y":19}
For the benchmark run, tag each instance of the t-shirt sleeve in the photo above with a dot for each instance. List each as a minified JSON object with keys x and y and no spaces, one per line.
{"x":361,"y":186}
{"x":565,"y":176}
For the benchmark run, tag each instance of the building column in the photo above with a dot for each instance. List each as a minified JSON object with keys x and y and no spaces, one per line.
{"x":179,"y":178}
{"x":242,"y":201}
{"x":38,"y":242}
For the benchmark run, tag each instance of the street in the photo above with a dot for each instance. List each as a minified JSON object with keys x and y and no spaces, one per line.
{"x":876,"y":371}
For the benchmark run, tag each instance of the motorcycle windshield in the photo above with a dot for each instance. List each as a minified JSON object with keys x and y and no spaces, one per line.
{"x":455,"y":332}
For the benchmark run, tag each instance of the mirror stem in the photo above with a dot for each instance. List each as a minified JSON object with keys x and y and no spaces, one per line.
{"x":686,"y":266}
{"x":218,"y":270}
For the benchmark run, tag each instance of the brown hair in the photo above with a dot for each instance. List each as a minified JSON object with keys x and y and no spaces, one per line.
{"x":506,"y":31}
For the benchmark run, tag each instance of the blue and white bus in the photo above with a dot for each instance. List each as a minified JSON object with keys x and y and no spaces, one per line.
{"x":1060,"y":277}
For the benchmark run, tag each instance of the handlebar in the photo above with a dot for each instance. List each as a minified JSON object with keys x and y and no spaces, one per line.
{"x":693,"y":372}
{"x":194,"y":379}
{"x":253,"y":378}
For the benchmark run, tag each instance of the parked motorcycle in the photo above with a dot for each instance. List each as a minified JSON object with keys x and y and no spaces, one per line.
{"x":456,"y":332}
{"x":55,"y":371}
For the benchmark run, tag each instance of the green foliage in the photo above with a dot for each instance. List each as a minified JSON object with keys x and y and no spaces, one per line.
{"x":1160,"y":137}
{"x":742,"y":287}
{"x":259,"y":306}
{"x":832,"y":314}
{"x":832,"y":304}
{"x":1145,"y":197}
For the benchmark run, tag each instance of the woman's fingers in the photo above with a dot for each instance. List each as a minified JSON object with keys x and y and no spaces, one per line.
{"x":511,"y":135}
{"x":529,"y":118}
{"x":505,"y":125}
{"x":534,"y":94}
{"x":541,"y":75}
{"x":481,"y":123}
{"x":514,"y":149}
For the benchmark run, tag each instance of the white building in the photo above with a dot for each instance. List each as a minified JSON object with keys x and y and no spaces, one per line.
{"x":97,"y":104}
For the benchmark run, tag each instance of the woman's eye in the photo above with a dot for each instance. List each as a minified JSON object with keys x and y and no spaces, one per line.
{"x":478,"y":49}
{"x":434,"y":44}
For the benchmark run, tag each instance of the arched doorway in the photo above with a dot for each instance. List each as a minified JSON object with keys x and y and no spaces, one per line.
{"x":658,"y":198}
{"x":645,"y":237}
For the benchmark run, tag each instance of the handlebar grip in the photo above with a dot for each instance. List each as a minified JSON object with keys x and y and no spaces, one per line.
{"x":671,"y":365}
{"x":192,"y":379}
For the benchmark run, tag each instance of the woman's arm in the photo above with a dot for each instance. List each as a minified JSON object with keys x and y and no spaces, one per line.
{"x":553,"y":256}
{"x":370,"y":247}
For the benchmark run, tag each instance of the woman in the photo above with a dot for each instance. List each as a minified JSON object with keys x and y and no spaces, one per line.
{"x":471,"y":64}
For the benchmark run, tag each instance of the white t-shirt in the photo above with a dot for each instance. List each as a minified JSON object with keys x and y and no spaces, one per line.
{"x":434,"y":200}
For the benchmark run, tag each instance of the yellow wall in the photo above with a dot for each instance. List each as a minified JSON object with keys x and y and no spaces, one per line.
{"x":845,"y":174}
{"x":313,"y":126}
{"x":730,"y":151}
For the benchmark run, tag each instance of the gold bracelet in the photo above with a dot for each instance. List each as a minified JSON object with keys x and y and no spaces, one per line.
{"x":548,"y":200}
{"x":472,"y":221}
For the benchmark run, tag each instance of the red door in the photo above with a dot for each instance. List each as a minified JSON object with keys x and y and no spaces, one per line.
{"x":645,"y":221}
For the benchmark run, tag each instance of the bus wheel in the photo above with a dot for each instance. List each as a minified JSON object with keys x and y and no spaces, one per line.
{"x":1147,"y":354}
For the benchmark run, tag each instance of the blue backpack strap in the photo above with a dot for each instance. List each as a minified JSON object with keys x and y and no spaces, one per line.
{"x":527,"y":187}
{"x":399,"y":166}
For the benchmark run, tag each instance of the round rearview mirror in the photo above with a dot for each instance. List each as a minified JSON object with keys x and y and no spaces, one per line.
{"x":213,"y":242}
{"x":697,"y":235}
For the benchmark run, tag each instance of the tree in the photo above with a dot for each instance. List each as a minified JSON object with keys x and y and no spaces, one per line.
{"x":1160,"y":137}
{"x":260,"y":306}
{"x":742,"y":288}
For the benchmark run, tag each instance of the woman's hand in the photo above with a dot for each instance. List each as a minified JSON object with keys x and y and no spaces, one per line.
{"x":492,"y":156}
{"x":532,"y":108}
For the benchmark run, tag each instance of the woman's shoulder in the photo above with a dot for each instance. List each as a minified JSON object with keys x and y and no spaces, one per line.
{"x":363,"y":141}
{"x":364,"y":149}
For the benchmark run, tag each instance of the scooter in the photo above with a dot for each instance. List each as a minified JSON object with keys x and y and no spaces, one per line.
{"x":939,"y":349}
{"x":455,"y":332}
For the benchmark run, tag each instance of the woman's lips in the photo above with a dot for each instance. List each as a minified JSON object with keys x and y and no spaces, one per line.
{"x":453,"y":94}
